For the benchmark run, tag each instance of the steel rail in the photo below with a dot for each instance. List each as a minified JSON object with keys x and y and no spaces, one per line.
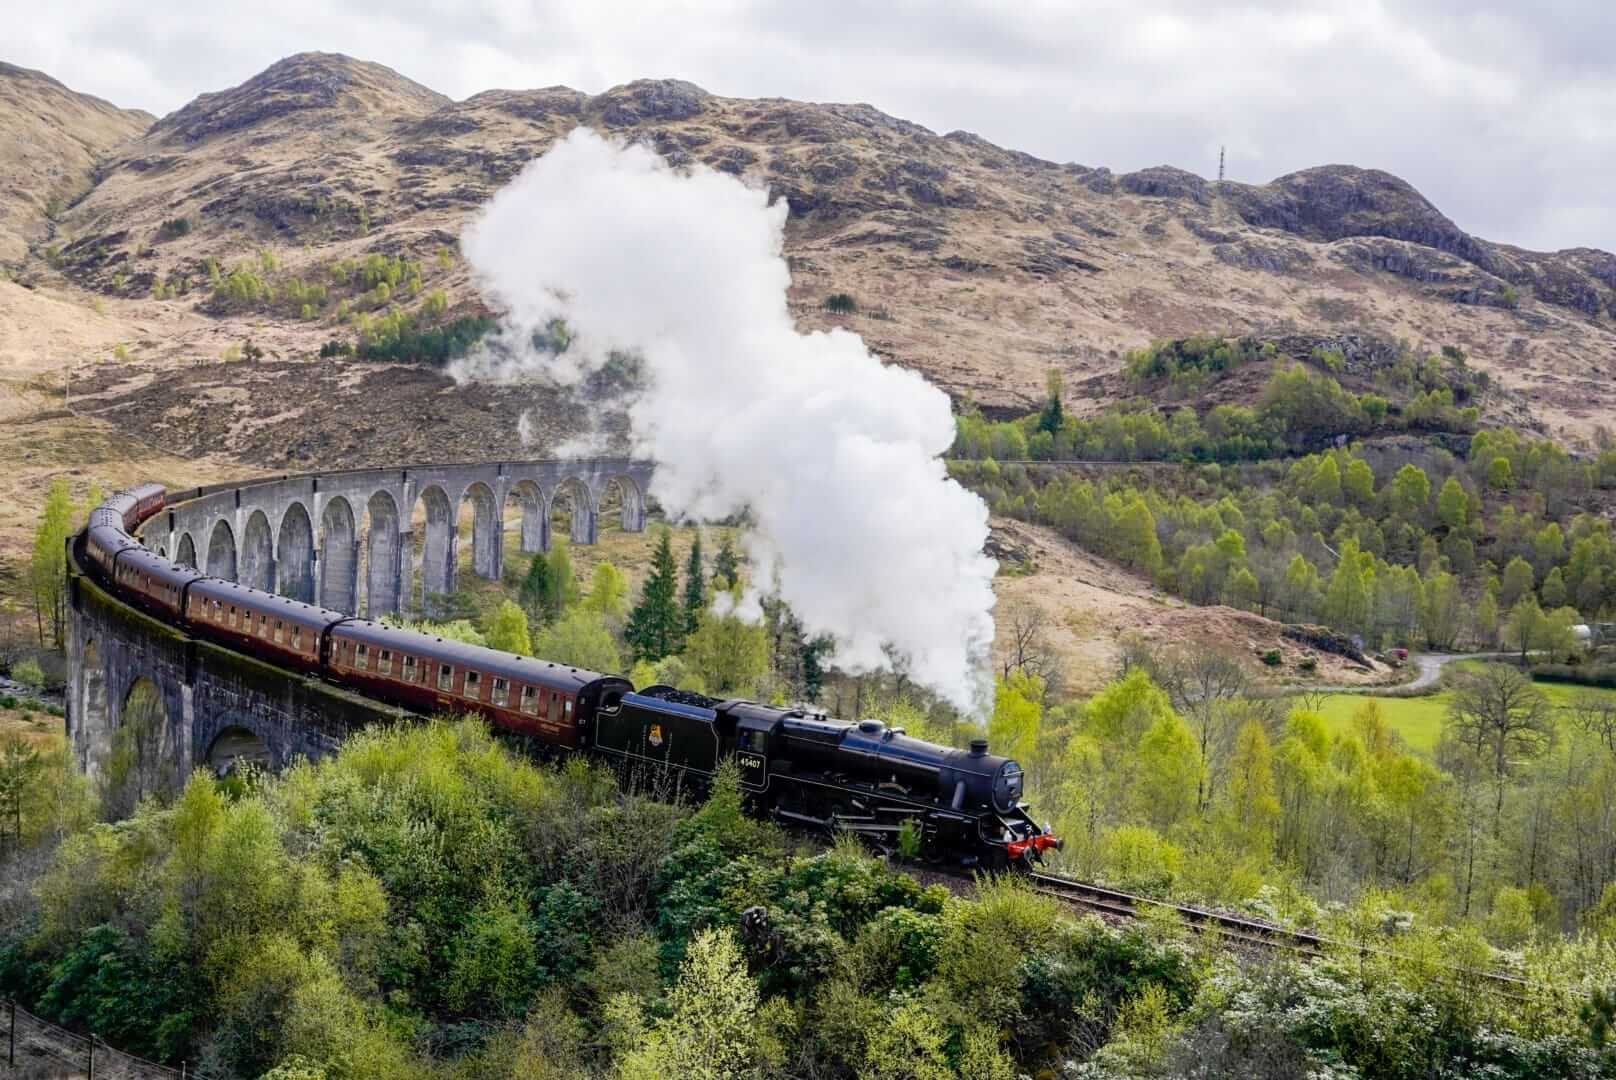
{"x":1115,"y":902}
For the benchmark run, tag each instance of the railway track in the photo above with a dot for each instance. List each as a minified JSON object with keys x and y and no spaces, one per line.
{"x":1237,"y":928}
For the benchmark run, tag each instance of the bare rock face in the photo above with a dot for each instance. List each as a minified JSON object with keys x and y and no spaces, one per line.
{"x":1164,"y":181}
{"x":1337,"y":201}
{"x":649,"y":99}
{"x":1253,"y":255}
{"x":304,"y":82}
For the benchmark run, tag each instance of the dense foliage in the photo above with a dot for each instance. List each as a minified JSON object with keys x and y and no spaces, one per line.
{"x":1404,"y":547}
{"x":423,"y":903}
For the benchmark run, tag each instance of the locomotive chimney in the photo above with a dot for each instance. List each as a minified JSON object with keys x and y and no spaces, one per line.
{"x":979,"y":747}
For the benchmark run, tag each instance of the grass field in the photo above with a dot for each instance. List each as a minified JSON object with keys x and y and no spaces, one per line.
{"x":1419,"y":719}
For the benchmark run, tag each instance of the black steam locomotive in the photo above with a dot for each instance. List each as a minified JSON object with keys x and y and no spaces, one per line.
{"x":801,"y":768}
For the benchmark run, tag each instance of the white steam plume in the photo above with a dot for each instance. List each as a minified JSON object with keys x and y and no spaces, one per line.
{"x":835,"y":455}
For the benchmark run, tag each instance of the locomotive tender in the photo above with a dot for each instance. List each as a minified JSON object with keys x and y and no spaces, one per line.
{"x":801,"y":768}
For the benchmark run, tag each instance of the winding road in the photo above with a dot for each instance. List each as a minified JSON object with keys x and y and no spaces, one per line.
{"x":1431,"y":665}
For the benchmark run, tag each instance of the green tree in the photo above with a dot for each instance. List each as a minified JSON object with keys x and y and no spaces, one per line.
{"x":1017,"y":713}
{"x":1347,"y":600}
{"x":1452,"y":503}
{"x":1500,"y":476}
{"x":580,"y":638}
{"x":1527,"y":627}
{"x":1325,"y":484}
{"x":1169,"y":771}
{"x":1548,"y":548}
{"x":47,"y":569}
{"x":1518,"y":581}
{"x":1137,"y":536}
{"x":1252,"y":809}
{"x":1410,"y":492}
{"x":1554,"y":589}
{"x":507,"y":630}
{"x":655,"y":623}
{"x":607,"y":589}
{"x":19,"y":764}
{"x":549,"y":586}
{"x":1300,"y":595}
{"x":1441,"y":610}
{"x":707,"y":1034}
{"x":729,"y":654}
{"x":695,"y":601}
{"x":1358,"y":482}
{"x":1484,"y":620}
{"x":1243,"y":589}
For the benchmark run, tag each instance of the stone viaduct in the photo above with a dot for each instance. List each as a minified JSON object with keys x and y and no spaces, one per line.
{"x":363,"y":542}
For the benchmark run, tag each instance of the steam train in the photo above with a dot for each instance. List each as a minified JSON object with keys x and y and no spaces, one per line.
{"x":800,"y":768}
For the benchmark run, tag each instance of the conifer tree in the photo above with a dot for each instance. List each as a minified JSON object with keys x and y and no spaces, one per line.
{"x":1052,"y":417}
{"x":655,"y":624}
{"x":726,"y":565}
{"x":536,"y":586}
{"x":695,"y":590}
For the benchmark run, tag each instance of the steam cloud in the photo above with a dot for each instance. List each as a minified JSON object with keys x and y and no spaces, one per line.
{"x":835,"y":455}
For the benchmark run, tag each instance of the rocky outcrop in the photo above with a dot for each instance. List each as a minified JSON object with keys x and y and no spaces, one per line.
{"x":1269,"y":258}
{"x":649,"y":99}
{"x":1404,"y":260}
{"x":1164,"y":181}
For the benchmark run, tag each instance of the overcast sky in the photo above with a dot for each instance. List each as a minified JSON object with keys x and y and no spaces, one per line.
{"x":1503,"y":114}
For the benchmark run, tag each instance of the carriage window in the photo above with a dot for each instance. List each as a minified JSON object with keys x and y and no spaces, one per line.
{"x":384,"y":662}
{"x":409,"y":669}
{"x":555,"y":708}
{"x":530,"y":700}
{"x":216,"y":608}
{"x":279,"y":628}
{"x":473,"y":685}
{"x":445,"y":677}
{"x":297,"y":637}
{"x":263,"y":626}
{"x":566,"y":708}
{"x":235,"y":615}
{"x":502,"y":692}
{"x":362,"y":657}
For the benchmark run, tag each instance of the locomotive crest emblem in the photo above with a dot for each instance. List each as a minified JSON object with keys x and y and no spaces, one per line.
{"x":656,"y":735}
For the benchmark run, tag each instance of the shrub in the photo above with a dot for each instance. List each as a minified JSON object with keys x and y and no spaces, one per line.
{"x":173,"y":228}
{"x":8,"y":701}
{"x":1309,"y":664}
{"x":1272,"y":658}
{"x":29,"y":673}
{"x":840,"y":303}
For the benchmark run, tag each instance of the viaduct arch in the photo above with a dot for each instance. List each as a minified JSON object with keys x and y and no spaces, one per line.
{"x":363,"y":541}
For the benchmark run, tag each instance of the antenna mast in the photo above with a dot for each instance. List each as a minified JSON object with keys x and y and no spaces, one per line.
{"x":1220,"y":166}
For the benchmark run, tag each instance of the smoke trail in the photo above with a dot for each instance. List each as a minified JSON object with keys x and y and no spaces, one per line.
{"x":835,"y":455}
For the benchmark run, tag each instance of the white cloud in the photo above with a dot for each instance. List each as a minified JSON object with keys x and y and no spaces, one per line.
{"x":1497,"y":112}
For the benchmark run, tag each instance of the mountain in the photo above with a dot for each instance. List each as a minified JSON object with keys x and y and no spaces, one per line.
{"x":980,"y":266}
{"x":50,"y":141}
